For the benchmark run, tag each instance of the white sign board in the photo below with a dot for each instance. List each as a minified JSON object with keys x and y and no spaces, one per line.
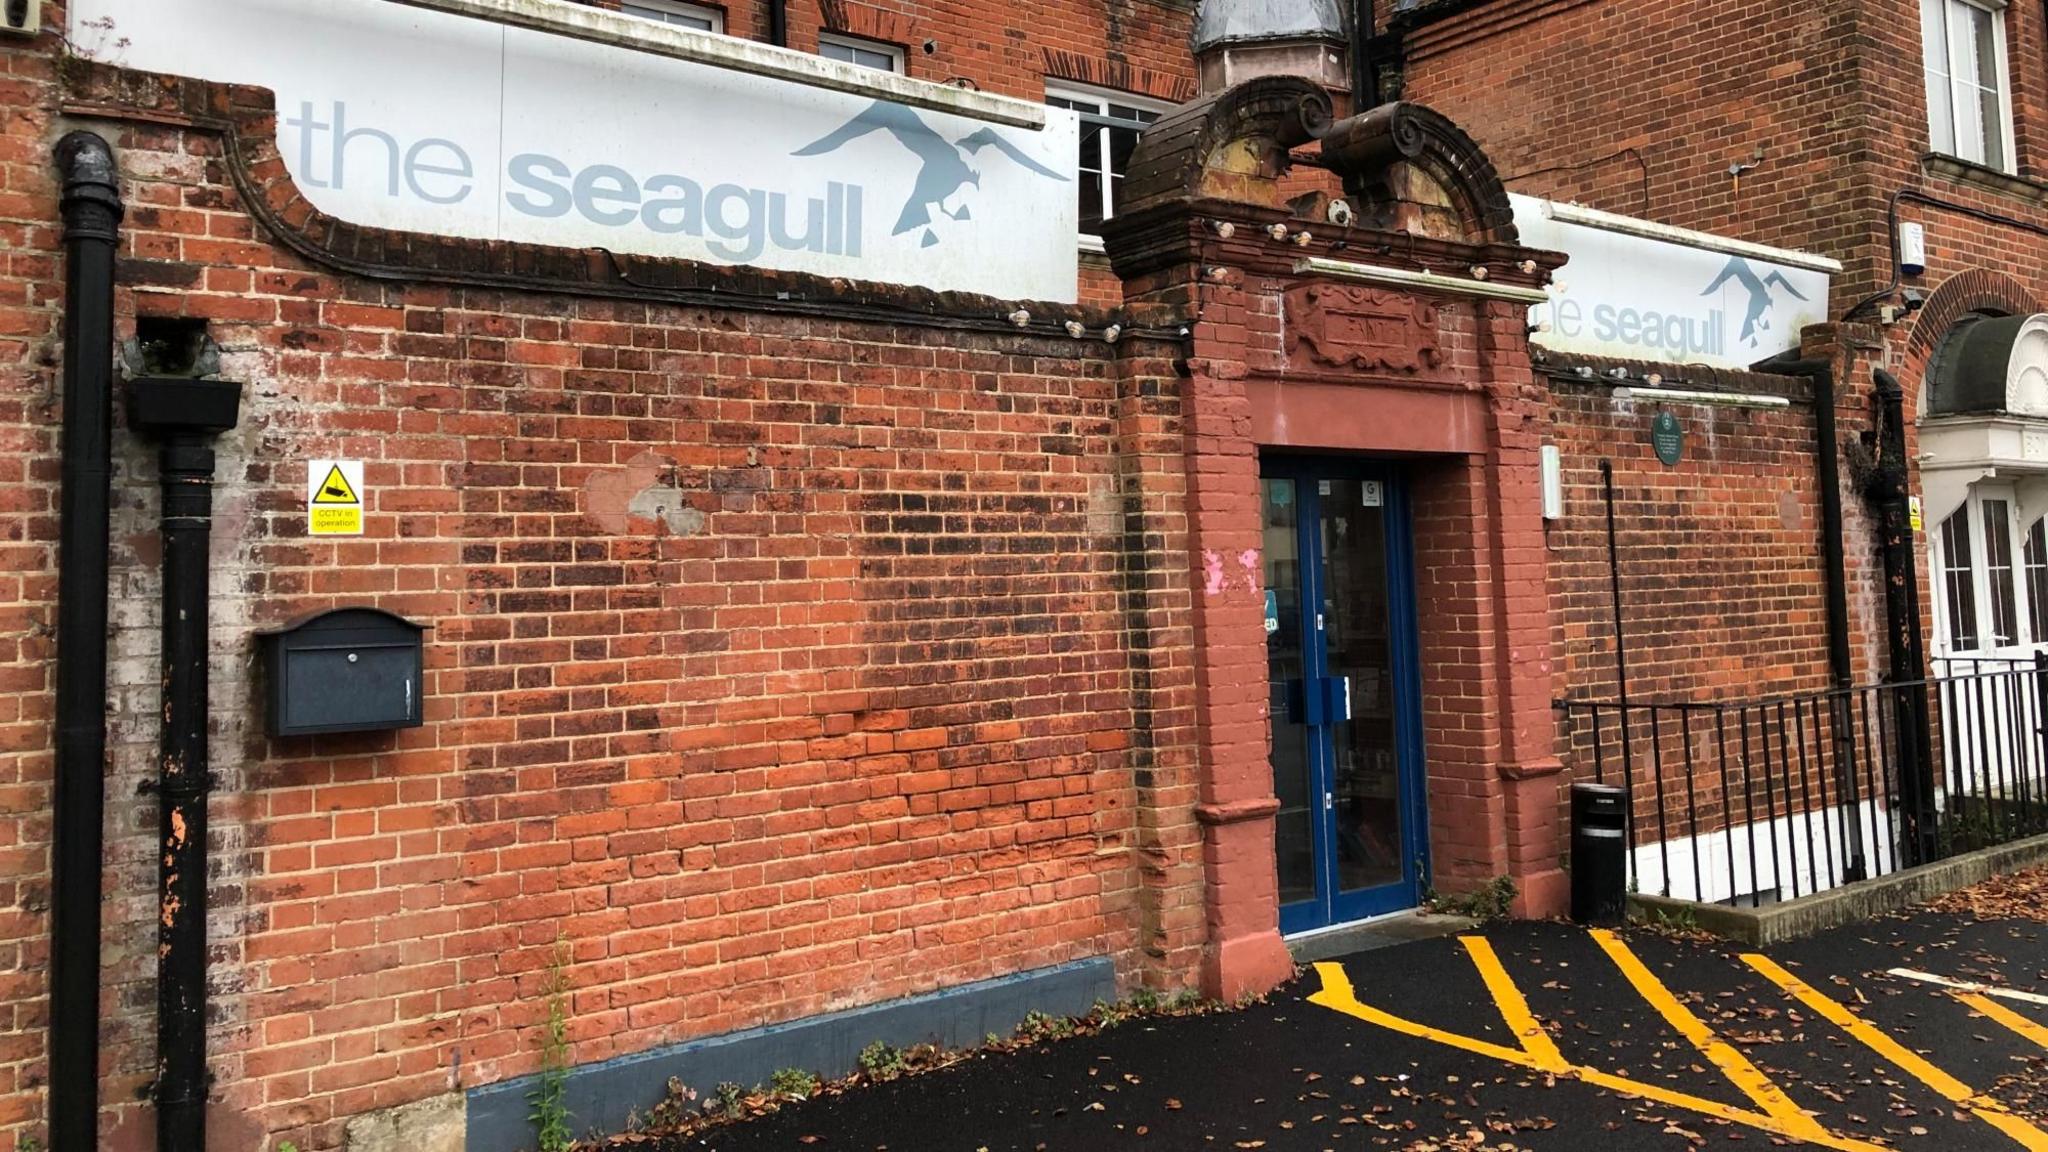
{"x":1690,"y":299}
{"x":422,"y":121}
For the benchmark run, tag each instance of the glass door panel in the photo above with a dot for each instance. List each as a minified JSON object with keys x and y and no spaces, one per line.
{"x":1359,"y":654}
{"x":1342,"y":691}
{"x":1286,"y":670}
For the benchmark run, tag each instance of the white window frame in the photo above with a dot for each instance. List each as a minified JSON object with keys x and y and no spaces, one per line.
{"x":662,"y":9}
{"x":1939,"y":63}
{"x":858,"y":44}
{"x":1103,"y":97}
{"x":1980,"y":577}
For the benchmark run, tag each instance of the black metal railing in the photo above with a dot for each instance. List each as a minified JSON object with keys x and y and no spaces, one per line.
{"x":1755,"y":801}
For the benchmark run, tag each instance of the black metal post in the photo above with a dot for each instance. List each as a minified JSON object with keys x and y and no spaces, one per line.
{"x":184,"y":416}
{"x":1365,"y":72}
{"x":1614,"y":585}
{"x":1628,"y":763}
{"x":91,"y":208}
{"x":2041,"y":716}
{"x":1907,"y":648}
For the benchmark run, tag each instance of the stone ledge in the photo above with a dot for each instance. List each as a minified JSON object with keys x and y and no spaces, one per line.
{"x":1793,"y":919}
{"x":1990,"y":179}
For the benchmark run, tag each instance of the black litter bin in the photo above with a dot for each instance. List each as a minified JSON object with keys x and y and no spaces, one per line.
{"x":1599,"y":853}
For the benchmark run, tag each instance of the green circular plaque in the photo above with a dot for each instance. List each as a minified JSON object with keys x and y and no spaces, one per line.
{"x":1667,"y":438}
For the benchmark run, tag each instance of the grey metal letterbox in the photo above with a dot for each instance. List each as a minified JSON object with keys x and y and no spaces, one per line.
{"x":348,"y":670}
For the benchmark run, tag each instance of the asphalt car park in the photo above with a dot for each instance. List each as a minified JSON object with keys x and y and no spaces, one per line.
{"x":1924,"y":1030}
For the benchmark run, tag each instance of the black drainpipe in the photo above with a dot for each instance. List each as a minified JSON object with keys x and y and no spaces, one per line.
{"x":1835,"y":578}
{"x":778,"y":23}
{"x":1365,"y":70}
{"x":91,"y":207}
{"x":1891,"y":491}
{"x":184,"y":416}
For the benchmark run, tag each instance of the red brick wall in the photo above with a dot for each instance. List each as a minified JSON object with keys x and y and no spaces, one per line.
{"x":1686,"y":90}
{"x":1722,"y":581}
{"x":30,"y":281}
{"x":1640,"y":107}
{"x":778,"y":663}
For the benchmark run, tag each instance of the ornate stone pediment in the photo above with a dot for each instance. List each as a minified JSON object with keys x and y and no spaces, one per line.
{"x":1341,"y":326}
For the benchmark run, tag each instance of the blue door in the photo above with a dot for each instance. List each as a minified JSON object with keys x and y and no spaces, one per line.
{"x":1344,"y":685}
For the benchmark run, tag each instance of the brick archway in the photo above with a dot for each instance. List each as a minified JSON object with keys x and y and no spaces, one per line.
{"x":1978,"y":290}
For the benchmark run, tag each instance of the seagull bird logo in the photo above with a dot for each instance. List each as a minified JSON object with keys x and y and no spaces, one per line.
{"x":945,"y":170}
{"x":1756,"y":319}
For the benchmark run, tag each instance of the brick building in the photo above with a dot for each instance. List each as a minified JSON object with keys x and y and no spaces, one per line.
{"x":1904,"y":138}
{"x":1142,"y":557}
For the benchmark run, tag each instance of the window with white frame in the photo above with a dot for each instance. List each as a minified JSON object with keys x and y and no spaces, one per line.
{"x":866,"y":53}
{"x":1110,"y":123}
{"x":1991,"y":582}
{"x":674,"y":12}
{"x":1958,"y":581}
{"x":2035,"y":557}
{"x":1969,"y":102}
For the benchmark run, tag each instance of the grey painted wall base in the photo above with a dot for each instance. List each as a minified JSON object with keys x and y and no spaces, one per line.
{"x":1851,"y":902}
{"x":601,"y":1096}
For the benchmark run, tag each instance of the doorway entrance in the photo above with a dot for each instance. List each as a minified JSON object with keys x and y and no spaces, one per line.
{"x":1344,"y":688}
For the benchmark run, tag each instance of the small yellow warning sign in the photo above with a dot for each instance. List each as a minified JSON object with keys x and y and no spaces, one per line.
{"x":336,"y":489}
{"x":334,"y":498}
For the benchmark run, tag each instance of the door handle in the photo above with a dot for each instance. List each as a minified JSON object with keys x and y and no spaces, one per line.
{"x":1319,"y":700}
{"x":1336,"y":699}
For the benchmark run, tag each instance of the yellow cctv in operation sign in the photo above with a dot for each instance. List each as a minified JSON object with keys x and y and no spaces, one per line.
{"x":334,"y":498}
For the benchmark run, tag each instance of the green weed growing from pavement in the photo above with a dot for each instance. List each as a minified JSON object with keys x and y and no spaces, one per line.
{"x":729,"y":1099}
{"x":1681,"y":920}
{"x":31,"y":1144}
{"x":1490,"y":901}
{"x":550,"y":1115}
{"x":880,"y":1061}
{"x":793,"y":1083}
{"x":1039,"y":1026}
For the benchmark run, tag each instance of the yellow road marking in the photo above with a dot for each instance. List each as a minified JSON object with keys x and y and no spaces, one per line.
{"x":1732,"y":1063}
{"x":1337,"y":995}
{"x":1985,"y":1006}
{"x":1912,"y":1063}
{"x":1513,"y":1008}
